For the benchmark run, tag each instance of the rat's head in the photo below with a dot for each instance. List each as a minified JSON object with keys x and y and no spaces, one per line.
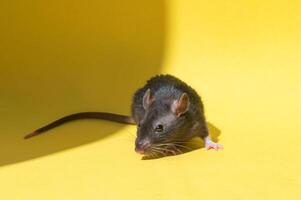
{"x":165,"y":122}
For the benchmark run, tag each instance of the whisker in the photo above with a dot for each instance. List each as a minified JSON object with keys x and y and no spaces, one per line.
{"x":156,"y":155}
{"x":164,"y":144}
{"x":182,"y":146}
{"x":187,"y":143}
{"x":169,"y":150}
{"x":158,"y":147}
{"x":158,"y":151}
{"x":152,"y":154}
{"x":172,"y":145}
{"x":176,"y":148}
{"x":166,"y":150}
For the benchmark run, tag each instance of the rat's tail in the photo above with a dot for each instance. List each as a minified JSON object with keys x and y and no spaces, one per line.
{"x":83,"y":115}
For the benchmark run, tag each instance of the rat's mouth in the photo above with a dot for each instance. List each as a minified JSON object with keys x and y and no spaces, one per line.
{"x":144,"y":149}
{"x":141,"y":151}
{"x":142,"y":146}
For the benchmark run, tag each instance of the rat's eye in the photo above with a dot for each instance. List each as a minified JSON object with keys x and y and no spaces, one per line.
{"x":159,"y":128}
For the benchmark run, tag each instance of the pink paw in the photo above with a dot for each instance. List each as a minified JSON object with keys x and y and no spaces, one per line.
{"x":213,"y":145}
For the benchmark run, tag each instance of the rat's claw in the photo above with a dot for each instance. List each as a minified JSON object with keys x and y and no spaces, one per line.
{"x":212,"y":145}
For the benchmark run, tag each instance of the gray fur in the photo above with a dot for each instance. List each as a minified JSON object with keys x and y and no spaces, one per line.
{"x":164,"y":91}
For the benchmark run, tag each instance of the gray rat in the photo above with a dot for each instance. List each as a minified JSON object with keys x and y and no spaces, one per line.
{"x":168,"y":113}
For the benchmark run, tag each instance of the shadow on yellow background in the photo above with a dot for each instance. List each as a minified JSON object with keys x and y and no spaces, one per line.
{"x":61,"y":57}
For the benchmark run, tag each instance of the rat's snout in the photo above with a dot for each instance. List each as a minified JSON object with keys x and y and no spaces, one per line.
{"x":142,"y":146}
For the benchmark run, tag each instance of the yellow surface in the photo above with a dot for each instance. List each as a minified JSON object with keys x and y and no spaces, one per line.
{"x":63,"y":56}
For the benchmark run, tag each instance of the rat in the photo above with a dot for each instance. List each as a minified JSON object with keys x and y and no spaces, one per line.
{"x":168,"y":114}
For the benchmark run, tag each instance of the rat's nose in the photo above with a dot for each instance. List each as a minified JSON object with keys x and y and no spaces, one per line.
{"x":140,"y":151}
{"x":142,"y":146}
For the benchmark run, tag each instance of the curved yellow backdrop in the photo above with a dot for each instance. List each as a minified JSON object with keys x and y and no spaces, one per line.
{"x":63,"y":56}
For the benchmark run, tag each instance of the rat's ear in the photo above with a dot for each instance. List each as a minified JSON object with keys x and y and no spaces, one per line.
{"x":180,"y":106}
{"x":147,"y":99}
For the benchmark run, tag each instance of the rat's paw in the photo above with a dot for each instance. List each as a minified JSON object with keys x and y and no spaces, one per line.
{"x":212,"y":145}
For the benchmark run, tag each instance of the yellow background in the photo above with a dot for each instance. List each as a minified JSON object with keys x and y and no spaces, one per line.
{"x":63,"y":56}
